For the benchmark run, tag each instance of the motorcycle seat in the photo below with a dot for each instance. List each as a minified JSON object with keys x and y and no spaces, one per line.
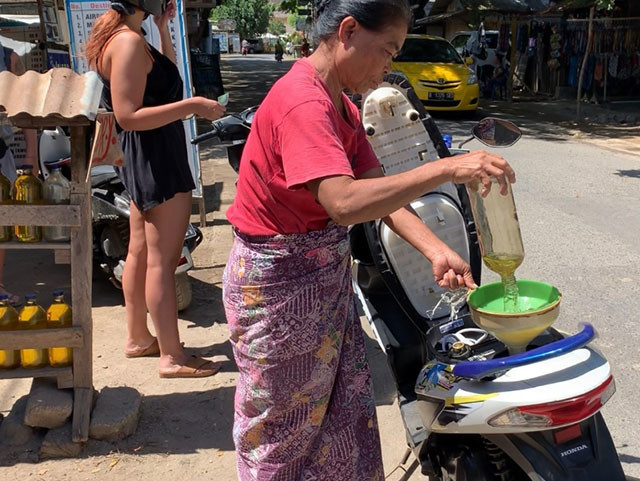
{"x":102,"y":175}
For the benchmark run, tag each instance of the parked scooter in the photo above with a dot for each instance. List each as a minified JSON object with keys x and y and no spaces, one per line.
{"x":230,"y":132}
{"x":110,"y":216}
{"x":473,"y":412}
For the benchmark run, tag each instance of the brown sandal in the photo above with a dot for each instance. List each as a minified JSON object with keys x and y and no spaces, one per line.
{"x":152,"y":350}
{"x":194,"y":367}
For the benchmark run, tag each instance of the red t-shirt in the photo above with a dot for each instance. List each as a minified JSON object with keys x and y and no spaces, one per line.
{"x":297,"y":136}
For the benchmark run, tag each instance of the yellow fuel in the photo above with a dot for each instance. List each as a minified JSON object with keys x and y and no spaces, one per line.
{"x":505,"y":265}
{"x":8,"y":322}
{"x":59,"y":316}
{"x":27,"y":189}
{"x":33,"y":317}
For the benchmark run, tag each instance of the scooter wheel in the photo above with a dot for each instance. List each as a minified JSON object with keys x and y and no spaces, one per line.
{"x":184,"y":293}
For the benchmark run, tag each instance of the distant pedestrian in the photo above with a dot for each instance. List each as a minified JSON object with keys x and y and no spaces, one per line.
{"x":143,"y":88}
{"x":305,"y":49}
{"x":279,"y":51}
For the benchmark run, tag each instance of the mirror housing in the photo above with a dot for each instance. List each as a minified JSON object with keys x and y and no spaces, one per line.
{"x":468,"y":60}
{"x":494,"y":132}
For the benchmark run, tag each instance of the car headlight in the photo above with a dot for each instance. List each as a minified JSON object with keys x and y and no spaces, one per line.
{"x":473,"y":78}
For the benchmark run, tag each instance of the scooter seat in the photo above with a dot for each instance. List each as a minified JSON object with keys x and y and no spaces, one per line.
{"x":102,"y":175}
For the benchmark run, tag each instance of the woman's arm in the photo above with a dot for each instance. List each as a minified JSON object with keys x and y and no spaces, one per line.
{"x":349,"y":201}
{"x":128,"y":64}
{"x":162,"y":22}
{"x":449,"y":269}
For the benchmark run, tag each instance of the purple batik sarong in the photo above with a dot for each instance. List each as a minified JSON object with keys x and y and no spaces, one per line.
{"x":304,"y":407}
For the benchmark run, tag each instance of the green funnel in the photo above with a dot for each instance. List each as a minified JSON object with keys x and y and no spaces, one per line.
{"x":538,"y":308}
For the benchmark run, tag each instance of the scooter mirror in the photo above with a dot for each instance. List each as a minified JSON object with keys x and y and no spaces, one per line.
{"x":496,"y":132}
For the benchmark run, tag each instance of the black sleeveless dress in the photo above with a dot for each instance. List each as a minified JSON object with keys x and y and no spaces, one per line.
{"x":156,"y":162}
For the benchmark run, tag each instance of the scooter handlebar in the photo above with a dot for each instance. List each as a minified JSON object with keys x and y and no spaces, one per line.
{"x":480,"y":369}
{"x":206,"y":136}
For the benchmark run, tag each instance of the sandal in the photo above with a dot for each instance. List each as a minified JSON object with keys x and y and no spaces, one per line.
{"x":14,"y":300}
{"x":152,"y":350}
{"x":195,"y":367}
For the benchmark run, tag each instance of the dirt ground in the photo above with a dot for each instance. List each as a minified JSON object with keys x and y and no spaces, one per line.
{"x":185,"y":427}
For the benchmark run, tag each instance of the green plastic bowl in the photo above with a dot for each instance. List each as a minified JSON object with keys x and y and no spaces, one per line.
{"x":539,"y":305}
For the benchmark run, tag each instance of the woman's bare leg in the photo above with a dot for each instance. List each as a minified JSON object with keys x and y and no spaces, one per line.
{"x":165,"y":227}
{"x":133,"y":282}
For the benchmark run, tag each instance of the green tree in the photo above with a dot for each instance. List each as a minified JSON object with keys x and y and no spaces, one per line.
{"x":276,"y":28}
{"x":251,"y":16}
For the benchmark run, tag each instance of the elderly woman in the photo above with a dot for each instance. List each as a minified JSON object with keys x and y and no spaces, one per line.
{"x":304,"y":408}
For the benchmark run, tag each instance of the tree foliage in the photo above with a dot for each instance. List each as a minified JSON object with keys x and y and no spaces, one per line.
{"x":251,"y":16}
{"x":276,"y":28}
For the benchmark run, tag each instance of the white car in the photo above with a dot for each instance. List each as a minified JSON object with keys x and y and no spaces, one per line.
{"x":465,"y":41}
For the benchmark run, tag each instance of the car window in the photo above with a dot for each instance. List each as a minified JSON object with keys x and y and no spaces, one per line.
{"x":492,"y":40}
{"x":427,"y":50}
{"x":459,"y":41}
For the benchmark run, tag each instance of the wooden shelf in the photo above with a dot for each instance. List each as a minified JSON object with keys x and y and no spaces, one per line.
{"x":35,"y":245}
{"x":43,"y":215}
{"x":42,"y":338}
{"x":63,"y":374}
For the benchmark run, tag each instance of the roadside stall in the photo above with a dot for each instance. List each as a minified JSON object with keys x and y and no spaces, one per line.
{"x":58,"y":98}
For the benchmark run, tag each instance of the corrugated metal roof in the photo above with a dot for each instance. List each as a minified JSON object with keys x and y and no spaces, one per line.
{"x":57,"y":97}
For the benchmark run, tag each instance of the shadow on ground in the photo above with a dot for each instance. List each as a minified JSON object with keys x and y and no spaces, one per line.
{"x":176,"y":423}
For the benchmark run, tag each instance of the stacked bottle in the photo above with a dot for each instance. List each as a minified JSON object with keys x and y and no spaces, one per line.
{"x":27,"y":189}
{"x":32,"y":317}
{"x":59,"y":316}
{"x":8,"y":322}
{"x":57,"y":190}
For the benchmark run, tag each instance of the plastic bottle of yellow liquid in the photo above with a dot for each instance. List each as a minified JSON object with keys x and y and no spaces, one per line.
{"x":8,"y":322}
{"x":5,"y":198}
{"x":32,"y":317}
{"x":27,"y":189}
{"x":56,"y":190}
{"x":59,"y":316}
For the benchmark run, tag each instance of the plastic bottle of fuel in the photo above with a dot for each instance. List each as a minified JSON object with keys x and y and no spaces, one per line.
{"x":59,"y":316}
{"x":8,"y":322}
{"x":33,"y":317}
{"x":57,"y":190}
{"x":27,"y":189}
{"x":5,"y":198}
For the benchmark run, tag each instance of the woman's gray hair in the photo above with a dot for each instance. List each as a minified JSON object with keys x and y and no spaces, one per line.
{"x":373,"y":15}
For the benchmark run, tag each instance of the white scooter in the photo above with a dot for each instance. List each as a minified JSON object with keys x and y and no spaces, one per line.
{"x":110,"y":208}
{"x":472,"y":411}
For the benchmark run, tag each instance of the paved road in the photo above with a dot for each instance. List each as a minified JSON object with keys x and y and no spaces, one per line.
{"x":578,"y":206}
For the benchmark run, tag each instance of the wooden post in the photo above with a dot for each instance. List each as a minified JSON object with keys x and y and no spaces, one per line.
{"x":43,"y":33}
{"x":584,"y":60}
{"x":512,"y":59}
{"x":81,"y":274}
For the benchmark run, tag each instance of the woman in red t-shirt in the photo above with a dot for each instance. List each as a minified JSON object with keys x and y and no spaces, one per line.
{"x":304,"y":407}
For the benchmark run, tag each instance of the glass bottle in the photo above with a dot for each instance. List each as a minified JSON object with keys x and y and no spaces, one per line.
{"x":56,"y":190}
{"x":59,"y":316}
{"x":5,"y":198}
{"x":499,"y":235}
{"x":27,"y":189}
{"x":33,"y":317}
{"x":8,"y":322}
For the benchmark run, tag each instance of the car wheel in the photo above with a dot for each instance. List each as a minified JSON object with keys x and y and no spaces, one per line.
{"x":184,"y":292}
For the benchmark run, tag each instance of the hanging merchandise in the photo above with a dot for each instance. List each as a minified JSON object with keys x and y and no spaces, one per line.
{"x":522,"y":38}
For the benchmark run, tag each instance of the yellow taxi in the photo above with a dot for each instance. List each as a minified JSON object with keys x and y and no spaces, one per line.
{"x":441,"y":78}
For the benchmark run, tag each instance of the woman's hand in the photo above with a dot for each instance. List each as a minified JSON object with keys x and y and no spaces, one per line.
{"x":207,"y":108}
{"x":479,"y":167}
{"x":162,"y":22}
{"x":451,"y":271}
